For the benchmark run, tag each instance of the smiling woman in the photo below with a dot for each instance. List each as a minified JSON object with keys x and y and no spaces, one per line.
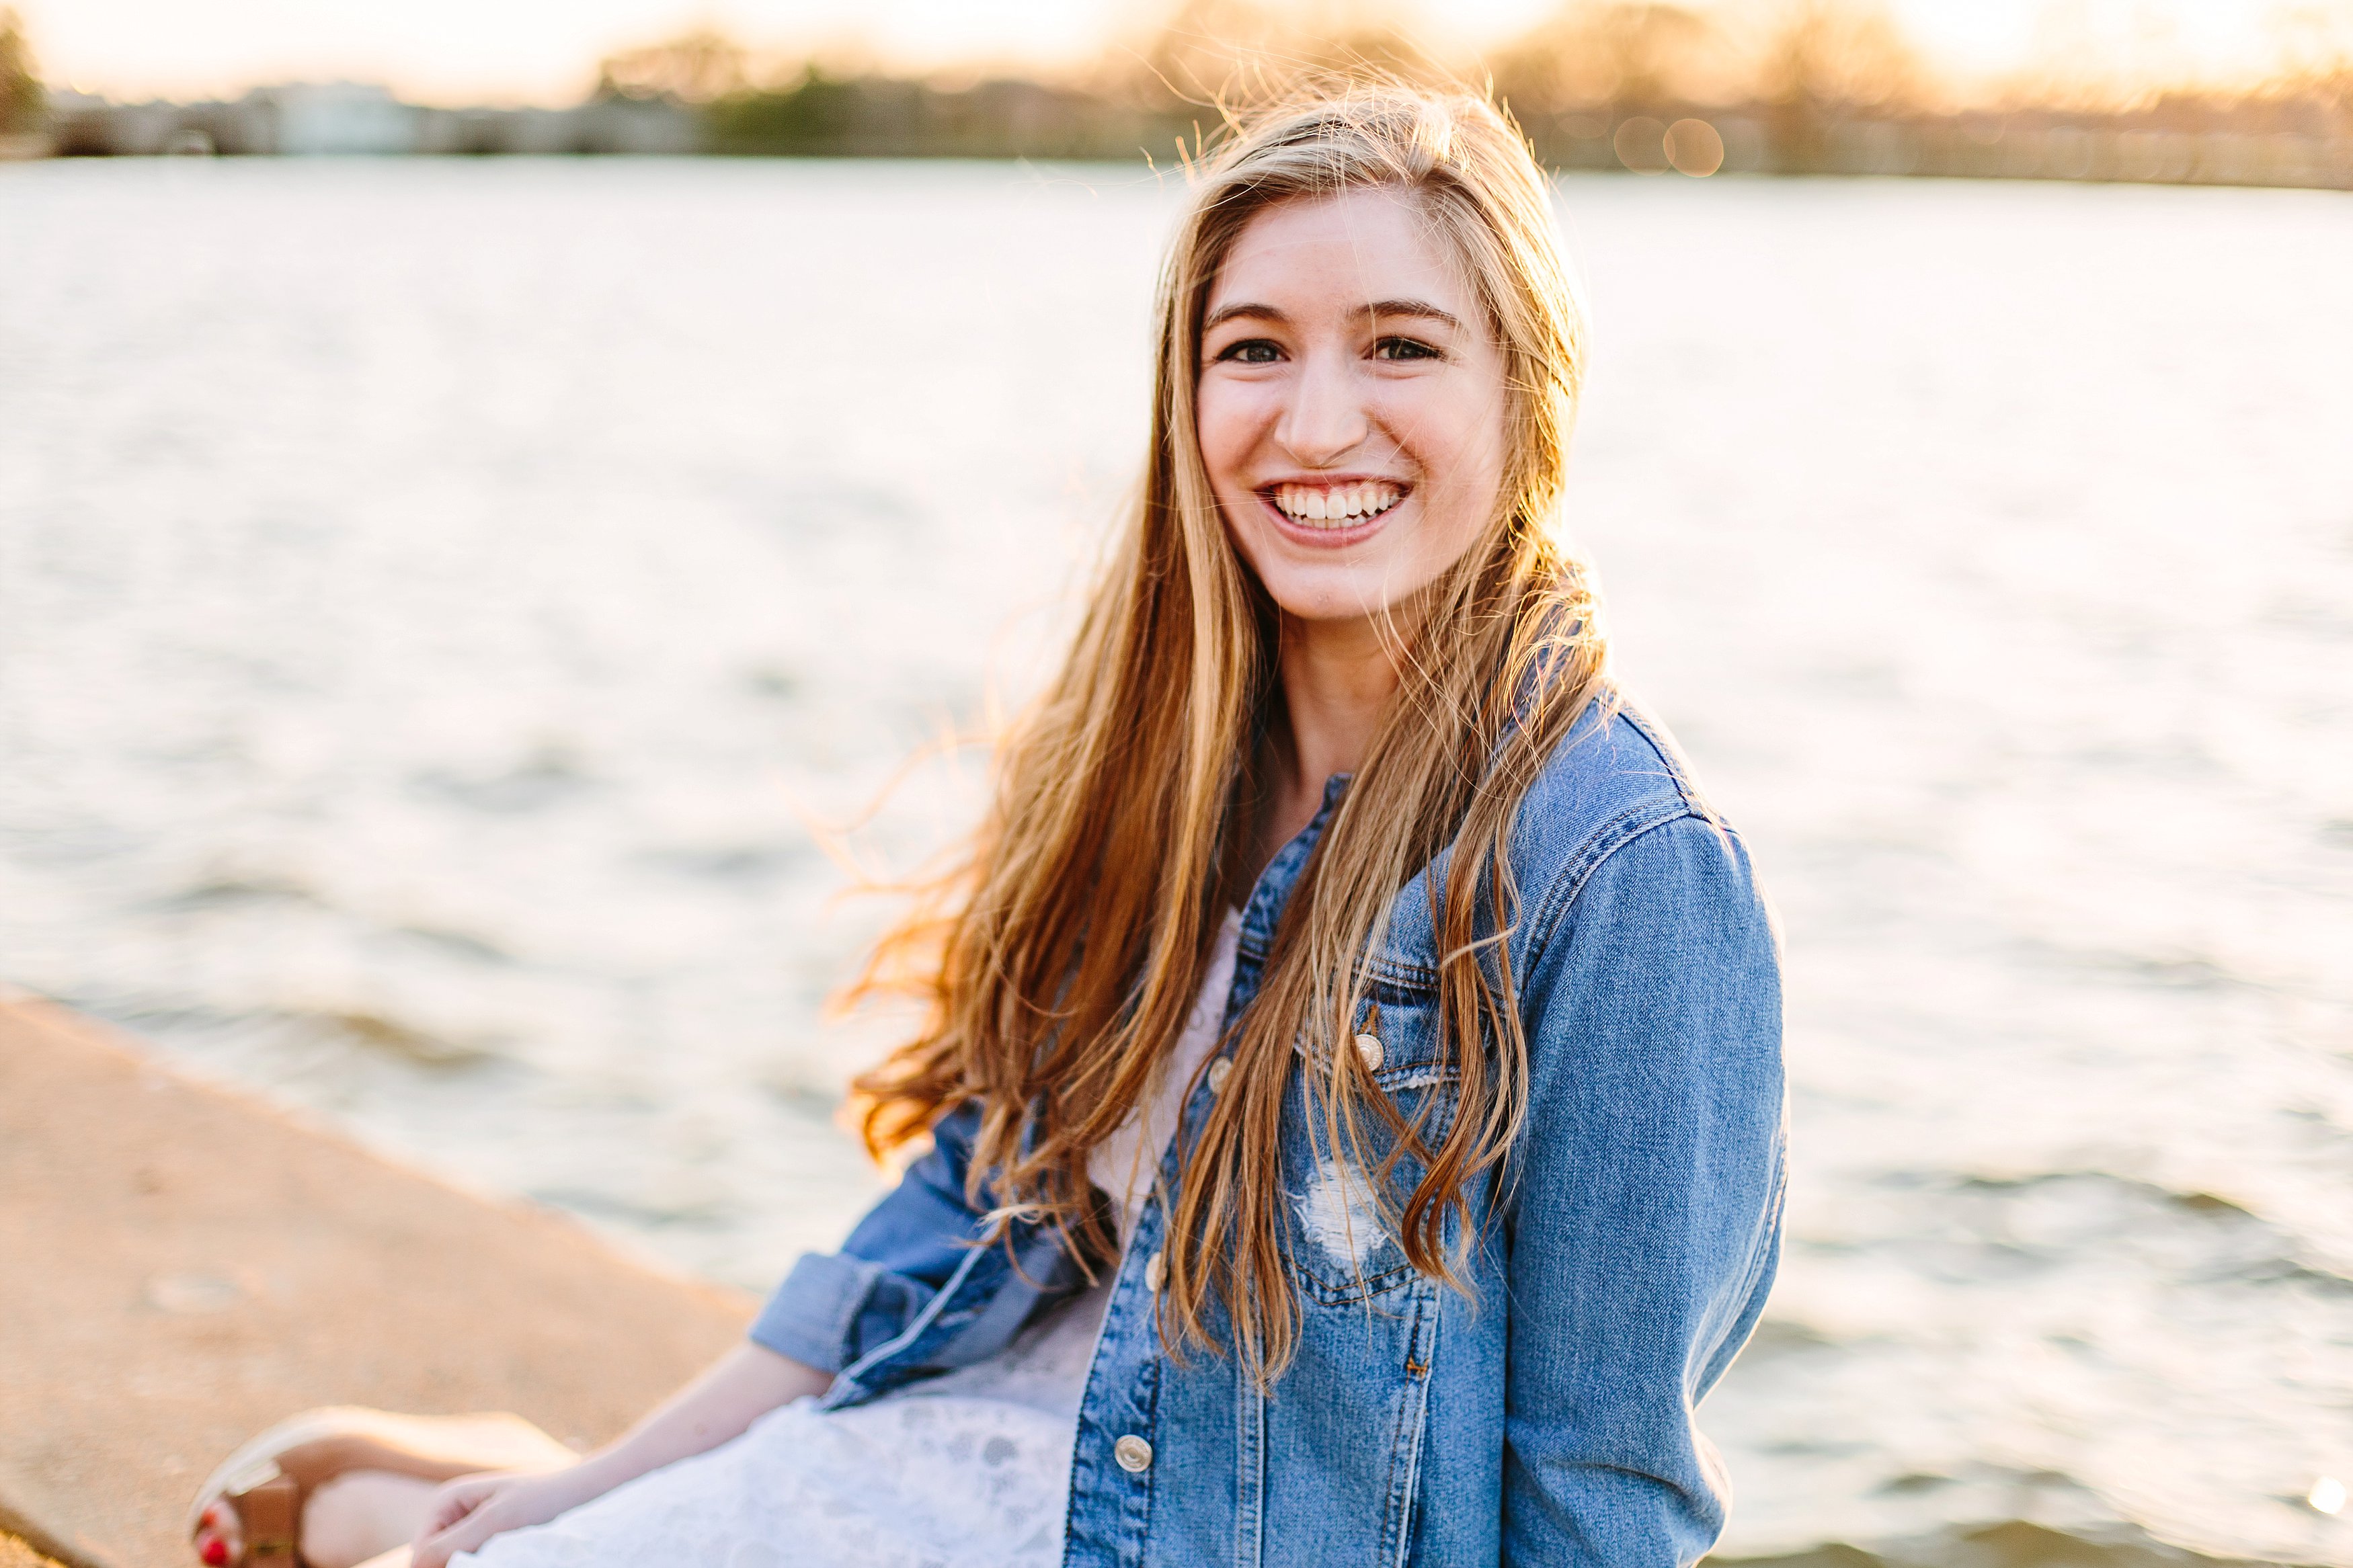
{"x":1351,"y":418}
{"x":1351,"y":1081}
{"x":1351,"y":407}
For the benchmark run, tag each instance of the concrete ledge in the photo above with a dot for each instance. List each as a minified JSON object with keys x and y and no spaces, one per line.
{"x":179,"y":1267}
{"x":15,"y":1553}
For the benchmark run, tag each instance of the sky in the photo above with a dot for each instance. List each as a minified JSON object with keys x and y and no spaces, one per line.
{"x":545,"y":51}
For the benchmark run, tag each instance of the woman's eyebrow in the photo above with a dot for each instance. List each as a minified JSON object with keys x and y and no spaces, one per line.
{"x":1421,"y":308}
{"x":1254,"y":311}
{"x":1245,"y":308}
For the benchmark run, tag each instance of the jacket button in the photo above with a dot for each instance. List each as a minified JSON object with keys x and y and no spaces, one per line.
{"x":1220,"y":1070}
{"x":1134,"y":1454}
{"x":1369,"y":1048}
{"x":1152,"y":1274}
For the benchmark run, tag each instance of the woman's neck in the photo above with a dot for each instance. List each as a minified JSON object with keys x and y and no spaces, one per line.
{"x":1337,"y":679}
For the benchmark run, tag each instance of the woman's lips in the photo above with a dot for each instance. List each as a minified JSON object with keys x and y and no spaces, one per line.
{"x":1334,"y":515}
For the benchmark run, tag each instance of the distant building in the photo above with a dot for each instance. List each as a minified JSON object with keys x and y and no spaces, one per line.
{"x":363,"y":118}
{"x":315,"y":119}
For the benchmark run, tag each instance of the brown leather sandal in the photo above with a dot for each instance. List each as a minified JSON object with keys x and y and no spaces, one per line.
{"x":265,"y":1484}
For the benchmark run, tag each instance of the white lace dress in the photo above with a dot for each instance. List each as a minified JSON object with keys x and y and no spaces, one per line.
{"x":969,"y":1469}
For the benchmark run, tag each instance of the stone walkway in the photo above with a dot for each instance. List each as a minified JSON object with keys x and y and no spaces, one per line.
{"x":180,"y":1266}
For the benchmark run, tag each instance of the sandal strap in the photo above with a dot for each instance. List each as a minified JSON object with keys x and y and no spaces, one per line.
{"x":270,"y":1515}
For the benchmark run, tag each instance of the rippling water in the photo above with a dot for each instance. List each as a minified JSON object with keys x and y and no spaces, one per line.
{"x":435,"y":598}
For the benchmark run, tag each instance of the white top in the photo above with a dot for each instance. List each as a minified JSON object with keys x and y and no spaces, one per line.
{"x":968,"y":1470}
{"x":1126,"y":1163}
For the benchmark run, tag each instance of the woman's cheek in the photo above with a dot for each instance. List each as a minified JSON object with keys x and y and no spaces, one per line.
{"x":1222,"y":426}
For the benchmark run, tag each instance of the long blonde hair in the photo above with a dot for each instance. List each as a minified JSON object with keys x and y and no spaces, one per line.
{"x":1060,"y":958}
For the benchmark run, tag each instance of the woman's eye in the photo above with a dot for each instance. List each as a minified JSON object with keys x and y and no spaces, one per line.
{"x":1249,"y":351}
{"x":1405,"y":348}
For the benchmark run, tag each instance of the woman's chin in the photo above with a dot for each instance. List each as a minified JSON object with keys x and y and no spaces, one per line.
{"x":1342,"y":597}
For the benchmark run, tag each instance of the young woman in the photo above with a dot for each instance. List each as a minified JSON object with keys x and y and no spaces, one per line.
{"x":1352,"y":1083}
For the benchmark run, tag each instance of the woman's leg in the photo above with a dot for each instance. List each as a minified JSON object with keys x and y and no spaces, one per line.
{"x":376,"y":1471}
{"x":362,"y":1514}
{"x":354,"y":1519}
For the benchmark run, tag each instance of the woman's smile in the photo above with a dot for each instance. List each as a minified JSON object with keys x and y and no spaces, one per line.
{"x":1328,"y":512}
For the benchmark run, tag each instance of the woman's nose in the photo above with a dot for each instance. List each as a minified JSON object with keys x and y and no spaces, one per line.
{"x":1324,"y":418}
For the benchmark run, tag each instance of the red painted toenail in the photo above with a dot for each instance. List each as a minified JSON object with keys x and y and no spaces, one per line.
{"x":215,"y":1552}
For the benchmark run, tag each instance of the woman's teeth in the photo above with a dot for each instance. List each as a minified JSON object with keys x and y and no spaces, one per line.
{"x":1337,"y":505}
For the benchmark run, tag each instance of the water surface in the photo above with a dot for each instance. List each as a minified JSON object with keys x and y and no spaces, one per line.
{"x":436,"y":598}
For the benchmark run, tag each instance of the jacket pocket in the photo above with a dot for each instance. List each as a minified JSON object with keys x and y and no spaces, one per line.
{"x":1344,"y":1432}
{"x":1342,"y":1247}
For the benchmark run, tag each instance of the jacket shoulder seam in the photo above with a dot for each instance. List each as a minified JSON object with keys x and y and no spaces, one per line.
{"x":1634,"y":822}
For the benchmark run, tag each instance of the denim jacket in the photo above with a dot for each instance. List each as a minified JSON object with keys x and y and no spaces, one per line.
{"x":1616,"y":1265}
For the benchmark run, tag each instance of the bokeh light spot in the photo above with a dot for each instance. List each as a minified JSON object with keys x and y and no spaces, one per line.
{"x":1694,"y":147}
{"x":1640,"y":145}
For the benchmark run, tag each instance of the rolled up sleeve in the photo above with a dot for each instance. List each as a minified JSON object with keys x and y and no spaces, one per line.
{"x":834,"y":1308}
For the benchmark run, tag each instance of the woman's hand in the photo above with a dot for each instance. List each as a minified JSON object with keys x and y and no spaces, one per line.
{"x":471,"y":1509}
{"x":739,"y":1388}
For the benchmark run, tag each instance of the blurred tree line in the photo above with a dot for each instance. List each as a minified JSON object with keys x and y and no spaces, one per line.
{"x":820,"y":107}
{"x":22,"y":99}
{"x":1797,"y":85}
{"x":1749,"y":86}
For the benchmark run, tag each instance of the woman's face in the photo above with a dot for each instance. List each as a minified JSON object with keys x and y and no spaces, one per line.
{"x":1352,"y":404}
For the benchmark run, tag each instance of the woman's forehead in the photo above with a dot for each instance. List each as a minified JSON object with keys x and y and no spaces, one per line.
{"x":1340,"y":253}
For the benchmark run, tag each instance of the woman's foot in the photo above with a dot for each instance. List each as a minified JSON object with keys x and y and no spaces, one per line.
{"x":334,"y":1487}
{"x":345,"y":1521}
